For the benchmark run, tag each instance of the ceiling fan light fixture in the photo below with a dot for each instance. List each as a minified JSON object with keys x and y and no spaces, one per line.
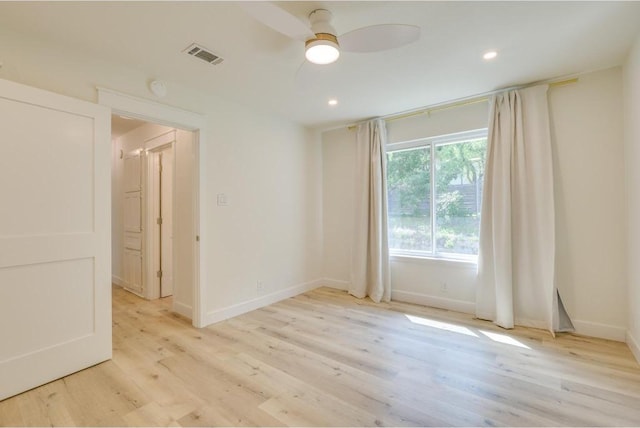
{"x":324,"y":49}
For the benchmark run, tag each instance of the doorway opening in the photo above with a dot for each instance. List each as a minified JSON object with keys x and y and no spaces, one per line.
{"x":153,"y":212}
{"x":186,"y":132}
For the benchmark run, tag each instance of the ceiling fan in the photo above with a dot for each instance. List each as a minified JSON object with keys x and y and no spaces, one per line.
{"x":322,"y":45}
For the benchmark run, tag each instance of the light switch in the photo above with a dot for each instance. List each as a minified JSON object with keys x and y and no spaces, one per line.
{"x":222,"y":200}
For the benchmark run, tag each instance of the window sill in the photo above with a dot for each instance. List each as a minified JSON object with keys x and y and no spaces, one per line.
{"x":434,"y":260}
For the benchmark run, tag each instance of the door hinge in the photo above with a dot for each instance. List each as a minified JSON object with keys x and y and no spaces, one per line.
{"x":159,"y":220}
{"x":159,"y":274}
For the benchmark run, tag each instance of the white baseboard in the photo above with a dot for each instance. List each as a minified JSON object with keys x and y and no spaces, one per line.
{"x":338,"y":284}
{"x":524,"y":322}
{"x":132,"y":291}
{"x":218,"y":315}
{"x":117,"y":281}
{"x":634,"y":345}
{"x":603,"y":331}
{"x":518,"y":322}
{"x":434,"y":301}
{"x":182,"y":309}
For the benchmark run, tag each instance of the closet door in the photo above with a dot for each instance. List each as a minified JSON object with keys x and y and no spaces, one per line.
{"x":133,"y":270}
{"x":133,"y":212}
{"x":133,"y":172}
{"x":55,"y":255}
{"x":133,"y":256}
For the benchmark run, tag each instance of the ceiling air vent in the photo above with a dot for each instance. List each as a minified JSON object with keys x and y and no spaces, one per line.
{"x":203,"y":53}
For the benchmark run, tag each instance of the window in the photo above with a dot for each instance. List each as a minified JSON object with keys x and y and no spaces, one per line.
{"x":434,"y":189}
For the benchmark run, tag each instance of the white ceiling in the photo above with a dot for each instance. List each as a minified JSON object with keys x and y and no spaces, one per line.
{"x":264,"y":69}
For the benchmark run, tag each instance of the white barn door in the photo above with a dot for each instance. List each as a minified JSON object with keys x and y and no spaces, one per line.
{"x":55,"y":256}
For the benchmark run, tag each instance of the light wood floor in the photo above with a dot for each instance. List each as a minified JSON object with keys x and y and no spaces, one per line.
{"x":327,"y":359}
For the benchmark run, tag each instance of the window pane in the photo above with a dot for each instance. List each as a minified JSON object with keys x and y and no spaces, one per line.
{"x":409,"y":190}
{"x":459,"y":176}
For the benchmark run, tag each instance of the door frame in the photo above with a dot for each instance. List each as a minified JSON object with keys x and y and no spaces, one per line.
{"x":150,"y":111}
{"x":152,"y":244}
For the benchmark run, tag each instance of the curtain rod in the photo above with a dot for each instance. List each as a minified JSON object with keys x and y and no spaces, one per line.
{"x":464,"y":102}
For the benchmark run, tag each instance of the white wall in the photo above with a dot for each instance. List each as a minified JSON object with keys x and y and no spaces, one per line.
{"x":586,"y":128}
{"x":589,"y":180}
{"x":632,"y":158}
{"x":271,"y":229}
{"x":439,"y":122}
{"x":338,"y":189}
{"x":269,"y":168}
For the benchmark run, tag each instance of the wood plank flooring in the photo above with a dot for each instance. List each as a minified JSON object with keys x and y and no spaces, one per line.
{"x":326,"y":359}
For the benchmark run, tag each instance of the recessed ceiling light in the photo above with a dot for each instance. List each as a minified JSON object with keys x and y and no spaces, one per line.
{"x":490,"y":55}
{"x":333,"y":102}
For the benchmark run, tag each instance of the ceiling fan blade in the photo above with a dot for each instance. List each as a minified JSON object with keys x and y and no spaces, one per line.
{"x":379,"y":37}
{"x":278,"y":19}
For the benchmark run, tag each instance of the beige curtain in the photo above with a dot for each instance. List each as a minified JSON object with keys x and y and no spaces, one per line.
{"x":516,"y":264}
{"x":370,"y":254}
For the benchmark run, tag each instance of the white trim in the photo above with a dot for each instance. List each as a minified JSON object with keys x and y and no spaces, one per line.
{"x":434,"y":261}
{"x":131,"y":290}
{"x":633,"y":345}
{"x":58,"y":102}
{"x":161,"y":140}
{"x":433,"y":301}
{"x":523,"y":322}
{"x":182,"y":309}
{"x":117,"y":280}
{"x":337,"y":284}
{"x":199,"y":212}
{"x":150,"y":111}
{"x":151,"y":262}
{"x":457,"y":137}
{"x":603,"y":331}
{"x":260,"y":302}
{"x":150,"y":188}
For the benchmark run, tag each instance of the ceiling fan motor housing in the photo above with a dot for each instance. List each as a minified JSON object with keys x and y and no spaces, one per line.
{"x":320,"y":20}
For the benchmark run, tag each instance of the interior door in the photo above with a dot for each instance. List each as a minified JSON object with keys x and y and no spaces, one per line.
{"x":55,"y":283}
{"x":132,"y":254}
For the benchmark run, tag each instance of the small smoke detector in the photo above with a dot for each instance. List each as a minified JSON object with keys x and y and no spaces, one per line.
{"x":203,"y":53}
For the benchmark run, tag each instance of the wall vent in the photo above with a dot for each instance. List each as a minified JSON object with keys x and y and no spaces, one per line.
{"x":203,"y":53}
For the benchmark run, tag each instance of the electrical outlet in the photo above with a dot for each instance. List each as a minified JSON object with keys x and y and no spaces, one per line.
{"x":259,"y":287}
{"x":443,"y":287}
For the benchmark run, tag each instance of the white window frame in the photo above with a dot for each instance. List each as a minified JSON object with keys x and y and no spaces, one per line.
{"x":432,"y":142}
